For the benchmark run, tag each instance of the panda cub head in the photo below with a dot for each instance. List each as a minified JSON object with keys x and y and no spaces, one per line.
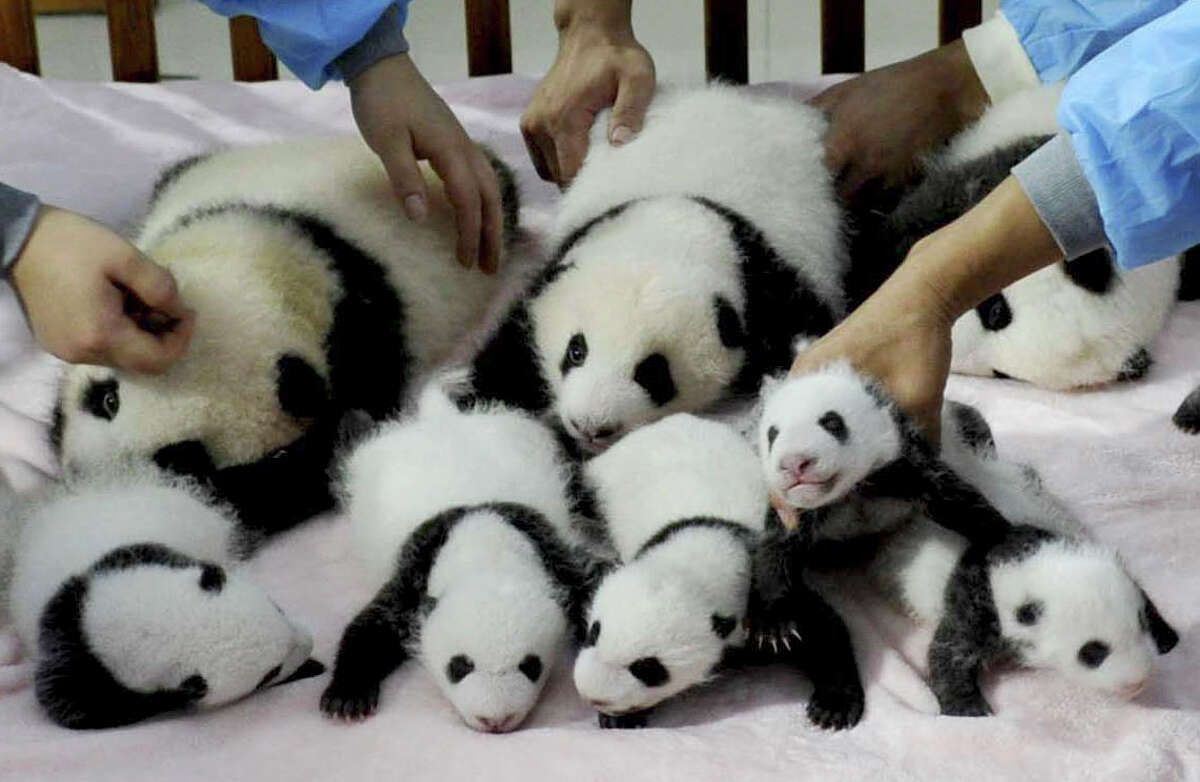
{"x":490,"y":645}
{"x":1070,"y":606}
{"x":822,"y":433}
{"x":147,"y":630}
{"x":652,"y":634}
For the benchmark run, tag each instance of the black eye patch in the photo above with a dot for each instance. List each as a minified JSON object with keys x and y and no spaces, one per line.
{"x":729,"y":324}
{"x":772,"y":433}
{"x":833,"y":423}
{"x":1093,"y":653}
{"x":994,"y":313}
{"x":723,"y":625}
{"x":654,"y":375}
{"x":458,"y":667}
{"x":650,"y":672}
{"x":301,"y":390}
{"x":531,"y":666}
{"x":1029,"y":613}
{"x":102,"y":400}
{"x":194,"y":687}
{"x":575,"y":354}
{"x":212,"y":578}
{"x":593,"y":634}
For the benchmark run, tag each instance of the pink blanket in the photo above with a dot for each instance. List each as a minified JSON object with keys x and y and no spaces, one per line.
{"x":1112,"y":455}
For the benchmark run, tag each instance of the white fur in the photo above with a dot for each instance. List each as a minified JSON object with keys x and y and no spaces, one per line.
{"x":645,"y":282}
{"x":260,"y":290}
{"x":1061,"y":336}
{"x":661,"y":604}
{"x":152,"y":626}
{"x":495,"y":602}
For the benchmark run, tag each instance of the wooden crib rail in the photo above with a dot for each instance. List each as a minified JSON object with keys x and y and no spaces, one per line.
{"x":489,"y":40}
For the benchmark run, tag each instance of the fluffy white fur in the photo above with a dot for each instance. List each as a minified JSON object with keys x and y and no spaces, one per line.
{"x":495,"y":602}
{"x":646,"y":282}
{"x":665,"y":603}
{"x":152,"y":626}
{"x":260,"y":290}
{"x":1061,"y":335}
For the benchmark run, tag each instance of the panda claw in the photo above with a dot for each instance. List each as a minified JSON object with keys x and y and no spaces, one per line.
{"x":344,"y":704}
{"x":796,"y":633}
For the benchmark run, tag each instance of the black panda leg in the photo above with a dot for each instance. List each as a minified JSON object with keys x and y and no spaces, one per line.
{"x":636,"y":719}
{"x":827,"y":656}
{"x":771,"y":617}
{"x":371,"y":648}
{"x":955,"y":663}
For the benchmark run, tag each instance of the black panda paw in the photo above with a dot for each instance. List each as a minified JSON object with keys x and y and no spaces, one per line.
{"x":350,"y":702}
{"x":836,"y":708}
{"x":966,"y":706}
{"x":636,"y":719}
{"x":772,"y":628}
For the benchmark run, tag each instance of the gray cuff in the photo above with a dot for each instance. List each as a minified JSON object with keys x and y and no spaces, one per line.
{"x":383,"y":40}
{"x":18,"y":212}
{"x":1055,"y":183}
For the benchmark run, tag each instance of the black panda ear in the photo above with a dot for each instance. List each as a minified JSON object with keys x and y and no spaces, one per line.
{"x":1093,"y":271}
{"x":427,"y":604}
{"x":301,"y":390}
{"x":729,"y":324}
{"x":723,"y":625}
{"x":307,"y":670}
{"x":507,"y":369}
{"x":212,"y":578}
{"x":188,"y":458}
{"x":194,"y":687}
{"x":1165,"y":637}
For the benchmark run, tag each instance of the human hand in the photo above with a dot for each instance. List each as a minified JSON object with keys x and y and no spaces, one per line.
{"x":92,"y":298}
{"x":882,"y":122}
{"x":403,"y":120}
{"x":599,"y":64}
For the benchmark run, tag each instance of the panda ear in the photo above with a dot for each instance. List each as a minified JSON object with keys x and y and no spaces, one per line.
{"x":212,"y":578}
{"x":1163,"y":634}
{"x":507,"y":369}
{"x":301,"y":390}
{"x":307,"y":670}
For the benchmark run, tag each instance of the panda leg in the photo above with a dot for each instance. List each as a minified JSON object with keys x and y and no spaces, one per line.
{"x":827,"y":656}
{"x":371,"y":648}
{"x":960,"y":507}
{"x":955,"y":663}
{"x":635,"y":719}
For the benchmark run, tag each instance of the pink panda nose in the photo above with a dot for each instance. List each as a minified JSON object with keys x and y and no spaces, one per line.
{"x":499,"y":724}
{"x":798,"y":468}
{"x":596,"y":433}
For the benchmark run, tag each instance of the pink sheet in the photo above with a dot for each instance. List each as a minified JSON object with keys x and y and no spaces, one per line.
{"x":1112,"y":455}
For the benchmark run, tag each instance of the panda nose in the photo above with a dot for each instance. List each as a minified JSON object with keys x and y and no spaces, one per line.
{"x":595,"y":432}
{"x":499,"y":724}
{"x":797,"y":466}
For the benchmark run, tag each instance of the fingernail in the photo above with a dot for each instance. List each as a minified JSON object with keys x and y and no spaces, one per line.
{"x":414,"y":207}
{"x":621,"y":135}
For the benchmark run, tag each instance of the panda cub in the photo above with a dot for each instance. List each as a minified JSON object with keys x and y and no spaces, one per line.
{"x":127,"y":594}
{"x":314,"y":295}
{"x":1040,"y":597}
{"x":686,"y":261}
{"x":464,"y":518}
{"x":684,"y":503}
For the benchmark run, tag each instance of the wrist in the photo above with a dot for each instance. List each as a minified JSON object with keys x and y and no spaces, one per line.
{"x":961,"y":82}
{"x":601,"y":19}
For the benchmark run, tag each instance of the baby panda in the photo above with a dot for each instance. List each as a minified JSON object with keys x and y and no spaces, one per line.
{"x":1040,"y":597}
{"x":1078,"y":323}
{"x":314,"y":295}
{"x":127,"y":594}
{"x":686,"y":261}
{"x":683,"y":501}
{"x":464,"y":517}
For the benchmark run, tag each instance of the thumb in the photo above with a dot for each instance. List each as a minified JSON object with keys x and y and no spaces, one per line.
{"x":629,"y":109}
{"x":150,"y":284}
{"x":405,"y":175}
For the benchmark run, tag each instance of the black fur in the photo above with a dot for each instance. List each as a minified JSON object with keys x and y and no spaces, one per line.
{"x":574,"y":355}
{"x":650,"y":671}
{"x":653,"y":374}
{"x":996,"y":373}
{"x":300,"y":388}
{"x":531,"y":666}
{"x":1189,"y":275}
{"x":1165,"y":637}
{"x":973,"y":428}
{"x":102,"y":399}
{"x":1092,"y":271}
{"x":729,"y":324}
{"x":723,"y":625}
{"x":510,"y":197}
{"x":994,"y":313}
{"x":636,"y":719}
{"x":1136,"y":365}
{"x":172,"y":173}
{"x":1187,"y":417}
{"x":736,"y":531}
{"x":375,"y":642}
{"x":833,"y":423}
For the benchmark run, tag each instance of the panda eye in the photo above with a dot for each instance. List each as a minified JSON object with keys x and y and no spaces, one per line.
{"x":576,"y":354}
{"x":531,"y":666}
{"x":458,"y":667}
{"x":1093,"y":653}
{"x":833,"y":423}
{"x":1029,"y":613}
{"x":650,"y":672}
{"x":772,"y":433}
{"x":593,"y":634}
{"x":102,"y":400}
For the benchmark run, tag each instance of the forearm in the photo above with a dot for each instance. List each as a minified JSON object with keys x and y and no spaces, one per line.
{"x":18,"y":213}
{"x":605,"y":15}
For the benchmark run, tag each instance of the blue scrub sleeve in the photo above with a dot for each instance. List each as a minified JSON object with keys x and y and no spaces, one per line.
{"x":1133,"y":114}
{"x":18,"y":213}
{"x":310,"y":36}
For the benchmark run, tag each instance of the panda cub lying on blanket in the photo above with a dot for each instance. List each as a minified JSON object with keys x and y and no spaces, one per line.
{"x":1036,"y":592}
{"x":128,"y":595}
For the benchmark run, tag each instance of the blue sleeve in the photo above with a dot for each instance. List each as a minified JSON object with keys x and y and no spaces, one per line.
{"x":310,"y":35}
{"x":1133,"y":114}
{"x":18,"y":212}
{"x":1060,"y":36}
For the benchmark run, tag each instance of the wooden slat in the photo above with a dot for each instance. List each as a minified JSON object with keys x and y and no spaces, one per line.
{"x":252,"y":60}
{"x":843,"y":36}
{"x":18,"y":37}
{"x":954,"y":16}
{"x":725,"y":41}
{"x":131,"y":40}
{"x":489,"y":41}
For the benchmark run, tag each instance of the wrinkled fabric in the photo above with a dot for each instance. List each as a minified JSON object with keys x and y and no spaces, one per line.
{"x":1113,"y":456}
{"x":309,"y":35}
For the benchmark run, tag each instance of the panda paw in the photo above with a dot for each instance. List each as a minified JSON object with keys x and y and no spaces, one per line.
{"x":636,"y":719}
{"x":974,"y":706}
{"x":836,"y":708}
{"x":350,"y":702}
